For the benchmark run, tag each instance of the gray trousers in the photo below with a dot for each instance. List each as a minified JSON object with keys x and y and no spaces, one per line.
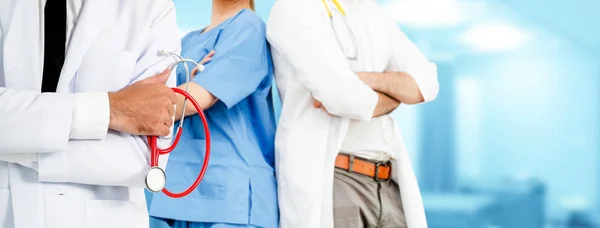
{"x":359,"y":201}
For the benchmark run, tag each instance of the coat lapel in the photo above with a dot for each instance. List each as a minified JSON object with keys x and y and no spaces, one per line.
{"x":22,"y":50}
{"x":89,"y":25}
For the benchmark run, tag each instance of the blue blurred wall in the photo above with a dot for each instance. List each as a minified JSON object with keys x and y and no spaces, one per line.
{"x":512,"y":141}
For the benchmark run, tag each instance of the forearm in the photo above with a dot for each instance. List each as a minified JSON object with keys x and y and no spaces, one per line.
{"x":419,"y":74}
{"x":122,"y":157}
{"x":400,"y":86}
{"x":385,"y":105}
{"x":325,"y":72}
{"x":54,"y":118}
{"x":118,"y":160}
{"x":201,"y":95}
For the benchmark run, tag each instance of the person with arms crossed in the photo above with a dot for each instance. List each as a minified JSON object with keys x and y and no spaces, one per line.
{"x":341,"y":67}
{"x":80,"y":84}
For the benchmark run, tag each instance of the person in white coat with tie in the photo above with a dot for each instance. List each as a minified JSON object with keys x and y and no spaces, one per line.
{"x":80,"y":82}
{"x":341,"y":67}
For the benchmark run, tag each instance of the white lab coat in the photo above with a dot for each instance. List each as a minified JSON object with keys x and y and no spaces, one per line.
{"x":78,"y":183}
{"x":310,"y":63}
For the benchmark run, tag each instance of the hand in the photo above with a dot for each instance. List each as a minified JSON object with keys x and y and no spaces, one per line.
{"x":318,"y":104}
{"x":206,"y":59}
{"x":143,"y":108}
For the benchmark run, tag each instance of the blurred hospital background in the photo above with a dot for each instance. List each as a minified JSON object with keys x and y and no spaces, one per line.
{"x":512,"y":140}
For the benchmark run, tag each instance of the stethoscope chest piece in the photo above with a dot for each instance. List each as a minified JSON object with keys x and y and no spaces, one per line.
{"x":155,"y":179}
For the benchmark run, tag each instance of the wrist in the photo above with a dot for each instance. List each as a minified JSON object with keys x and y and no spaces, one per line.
{"x":113,"y":106}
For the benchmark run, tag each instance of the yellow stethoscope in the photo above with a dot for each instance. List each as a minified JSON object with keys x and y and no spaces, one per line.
{"x":341,"y":29}
{"x":337,"y":5}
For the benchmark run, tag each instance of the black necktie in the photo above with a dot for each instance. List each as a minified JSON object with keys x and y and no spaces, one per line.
{"x":55,"y":32}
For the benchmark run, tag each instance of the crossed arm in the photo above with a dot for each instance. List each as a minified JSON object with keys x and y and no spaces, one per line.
{"x":392,"y":89}
{"x":329,"y":79}
{"x":400,"y":86}
{"x":411,"y":78}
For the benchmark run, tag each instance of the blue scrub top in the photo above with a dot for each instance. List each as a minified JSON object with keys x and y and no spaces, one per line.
{"x":239,"y":186}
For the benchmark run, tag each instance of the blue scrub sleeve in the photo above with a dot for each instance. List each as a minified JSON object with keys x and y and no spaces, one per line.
{"x":238,"y":67}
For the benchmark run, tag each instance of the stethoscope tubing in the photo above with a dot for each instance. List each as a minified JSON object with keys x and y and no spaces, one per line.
{"x":155,"y":152}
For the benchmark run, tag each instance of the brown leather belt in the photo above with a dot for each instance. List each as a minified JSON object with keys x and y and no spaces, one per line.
{"x":379,"y":171}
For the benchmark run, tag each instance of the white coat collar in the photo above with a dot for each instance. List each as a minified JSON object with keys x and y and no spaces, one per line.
{"x":23,"y":46}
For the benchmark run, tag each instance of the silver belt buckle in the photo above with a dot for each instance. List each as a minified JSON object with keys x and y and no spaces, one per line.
{"x":376,"y":177}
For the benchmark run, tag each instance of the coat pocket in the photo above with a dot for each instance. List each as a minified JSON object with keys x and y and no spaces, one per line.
{"x":112,"y":213}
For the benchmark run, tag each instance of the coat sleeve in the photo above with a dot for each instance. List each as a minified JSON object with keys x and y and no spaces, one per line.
{"x":120,"y":159}
{"x":297,"y":32}
{"x":32,"y":122}
{"x":407,"y":57}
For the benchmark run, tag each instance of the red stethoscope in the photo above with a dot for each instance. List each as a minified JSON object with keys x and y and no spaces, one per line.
{"x":156,"y":177}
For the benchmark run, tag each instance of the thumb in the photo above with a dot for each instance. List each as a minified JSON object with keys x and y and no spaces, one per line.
{"x":194,"y":72}
{"x":208,"y":57}
{"x":159,"y":78}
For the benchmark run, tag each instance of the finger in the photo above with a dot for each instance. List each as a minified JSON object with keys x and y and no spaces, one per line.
{"x":195,"y":71}
{"x":164,"y":76}
{"x":317,"y":104}
{"x":206,"y":59}
{"x":167,"y":109}
{"x":168,"y":121}
{"x":163,"y":131}
{"x":171,"y":111}
{"x":173,"y":97}
{"x":159,"y":78}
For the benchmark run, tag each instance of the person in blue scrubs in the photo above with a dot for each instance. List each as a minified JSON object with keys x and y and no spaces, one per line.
{"x":239,"y":189}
